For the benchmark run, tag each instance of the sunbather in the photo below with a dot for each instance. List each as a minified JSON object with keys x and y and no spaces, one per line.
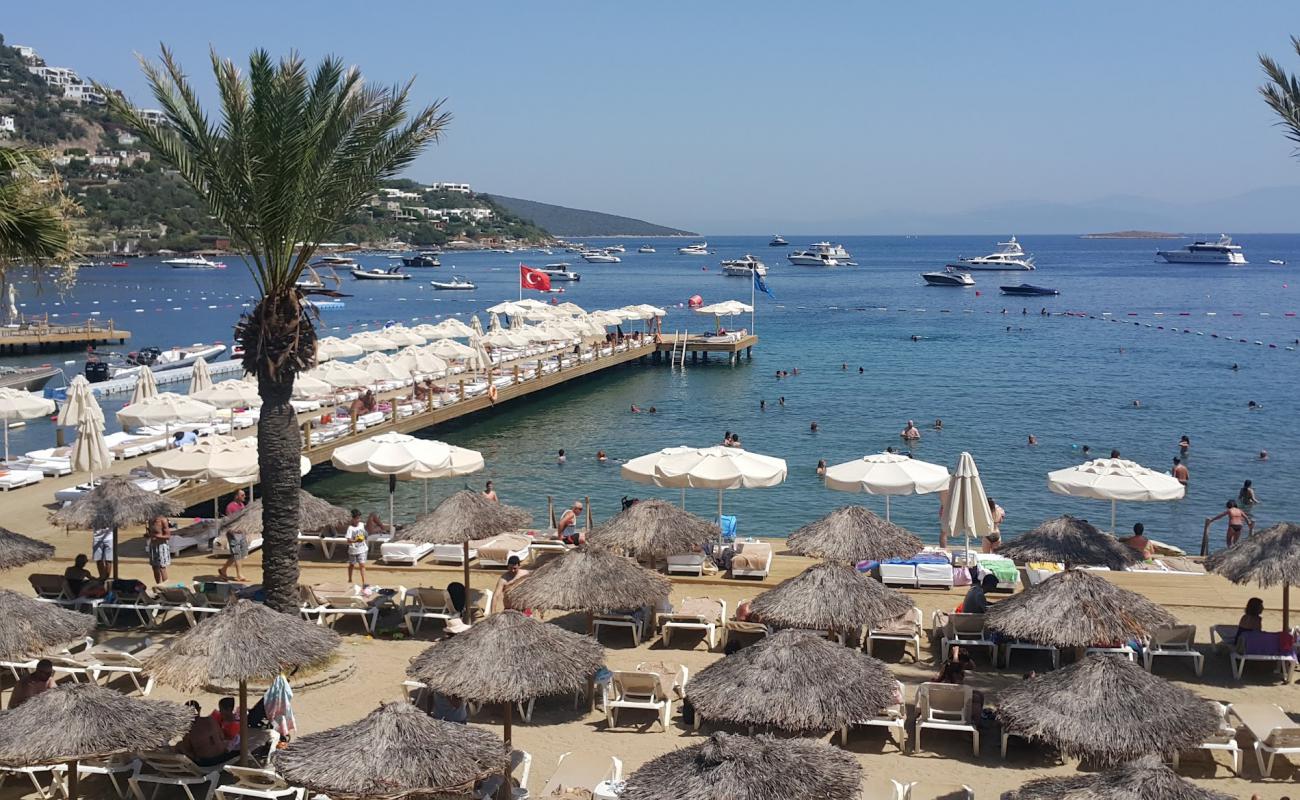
{"x":80,"y":582}
{"x":37,"y":681}
{"x":1139,"y":543}
{"x":375,"y":526}
{"x":1253,"y":618}
{"x":204,"y":743}
{"x":514,"y":573}
{"x":567,"y":528}
{"x":976,"y":601}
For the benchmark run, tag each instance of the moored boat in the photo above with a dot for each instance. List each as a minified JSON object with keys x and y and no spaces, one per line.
{"x":1028,"y":290}
{"x":424,"y":259}
{"x":1010,"y":257}
{"x":456,"y":283}
{"x":948,"y":277}
{"x":743,"y":267}
{"x":697,"y":249}
{"x":193,"y":262}
{"x":1220,"y":252}
{"x":600,"y":257}
{"x":380,"y":274}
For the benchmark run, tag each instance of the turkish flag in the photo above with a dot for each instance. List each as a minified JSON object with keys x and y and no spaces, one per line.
{"x":534,"y":279}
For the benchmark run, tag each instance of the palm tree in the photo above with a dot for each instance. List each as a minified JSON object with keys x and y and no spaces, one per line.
{"x":293,"y":155}
{"x":33,"y":214}
{"x":1283,"y":94}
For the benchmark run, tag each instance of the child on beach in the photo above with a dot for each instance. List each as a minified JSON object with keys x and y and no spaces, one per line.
{"x":357,"y":547}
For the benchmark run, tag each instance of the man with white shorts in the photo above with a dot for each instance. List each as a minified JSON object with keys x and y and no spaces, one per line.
{"x":357,"y":547}
{"x":101,"y":550}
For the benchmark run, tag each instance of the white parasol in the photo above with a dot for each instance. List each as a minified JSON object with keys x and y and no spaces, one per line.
{"x":145,"y":385}
{"x":1115,"y":479}
{"x":164,"y":409}
{"x":332,"y":347}
{"x":80,"y":404}
{"x":718,"y":468}
{"x":200,"y":376}
{"x":967,"y":507}
{"x":16,"y":404}
{"x":887,"y":474}
{"x":397,"y":455}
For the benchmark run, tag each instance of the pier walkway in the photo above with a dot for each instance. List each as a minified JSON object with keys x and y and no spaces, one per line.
{"x":40,"y":335}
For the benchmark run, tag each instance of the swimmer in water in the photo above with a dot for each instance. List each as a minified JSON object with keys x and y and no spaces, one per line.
{"x":762,"y":405}
{"x":635,"y":409}
{"x":1184,"y":444}
{"x":910,"y":432}
{"x":916,"y":338}
{"x":861,"y":370}
{"x":1235,"y":367}
{"x":938,"y":424}
{"x":813,"y":427}
{"x":845,"y":366}
{"x":1086,"y":450}
{"x":1033,"y":440}
{"x":781,"y":401}
{"x":1253,"y":406}
{"x":1263,"y":455}
{"x":601,"y":457}
{"x":1137,"y":403}
{"x":821,"y":466}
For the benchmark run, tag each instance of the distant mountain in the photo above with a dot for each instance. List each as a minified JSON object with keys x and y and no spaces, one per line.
{"x":562,"y":221}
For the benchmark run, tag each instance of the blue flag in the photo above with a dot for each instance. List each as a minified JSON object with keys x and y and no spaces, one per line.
{"x":761,"y":285}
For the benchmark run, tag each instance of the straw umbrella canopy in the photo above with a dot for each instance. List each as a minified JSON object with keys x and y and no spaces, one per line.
{"x":396,"y":751}
{"x":29,"y":627}
{"x":115,"y":502}
{"x":725,"y":765}
{"x":1108,"y":710}
{"x":200,"y":376}
{"x":17,"y":550}
{"x":850,"y":534}
{"x":653,"y":528}
{"x":84,"y":721}
{"x":80,"y":404}
{"x":887,"y":474}
{"x":966,"y":509}
{"x":1115,"y":479}
{"x":1071,"y":540}
{"x":145,"y":385}
{"x":462,"y":517}
{"x":314,"y":514}
{"x":244,"y":641}
{"x":794,"y":681}
{"x":1143,"y":779}
{"x":591,"y":579}
{"x":332,"y":347}
{"x":1075,"y":608}
{"x":830,"y":597}
{"x":1268,"y":558}
{"x":21,"y":404}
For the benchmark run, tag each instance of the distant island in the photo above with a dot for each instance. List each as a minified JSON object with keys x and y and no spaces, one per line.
{"x":562,"y":221}
{"x":1132,"y":235}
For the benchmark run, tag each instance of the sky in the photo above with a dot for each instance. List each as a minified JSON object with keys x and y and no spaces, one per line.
{"x":755,"y":116}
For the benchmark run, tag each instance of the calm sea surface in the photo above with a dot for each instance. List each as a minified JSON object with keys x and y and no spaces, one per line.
{"x":992,"y":367}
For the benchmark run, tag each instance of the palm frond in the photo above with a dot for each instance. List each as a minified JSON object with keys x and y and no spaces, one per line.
{"x":1282,"y":94}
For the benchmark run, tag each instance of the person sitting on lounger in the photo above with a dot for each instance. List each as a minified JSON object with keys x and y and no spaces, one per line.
{"x":37,"y":681}
{"x":1253,"y":618}
{"x":954,"y":672}
{"x":1139,"y":543}
{"x":203,"y":743}
{"x":80,"y":581}
{"x":976,"y":601}
{"x":567,"y":528}
{"x":375,"y":526}
{"x":513,"y":574}
{"x":227,"y":718}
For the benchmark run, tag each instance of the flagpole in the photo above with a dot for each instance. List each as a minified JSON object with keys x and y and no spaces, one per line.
{"x":753,"y":282}
{"x":521,"y":280}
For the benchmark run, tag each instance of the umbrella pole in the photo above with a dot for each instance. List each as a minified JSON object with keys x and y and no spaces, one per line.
{"x":243,"y":722}
{"x":5,"y":421}
{"x":886,"y":508}
{"x":507,"y":736}
{"x":114,"y":552}
{"x":392,"y":490}
{"x":464,"y":614}
{"x":550,"y":510}
{"x":1286,"y":606}
{"x":1112,"y":517}
{"x":426,"y":495}
{"x":683,"y":498}
{"x":72,"y":779}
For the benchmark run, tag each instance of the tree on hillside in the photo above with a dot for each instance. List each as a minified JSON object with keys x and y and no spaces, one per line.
{"x":1282,"y":94}
{"x":292,"y":156}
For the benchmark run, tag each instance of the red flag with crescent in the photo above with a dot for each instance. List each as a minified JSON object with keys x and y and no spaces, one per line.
{"x":534,"y":279}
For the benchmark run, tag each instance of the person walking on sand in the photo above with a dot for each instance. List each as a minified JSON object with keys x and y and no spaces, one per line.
{"x":1237,"y":519}
{"x":355,"y":536}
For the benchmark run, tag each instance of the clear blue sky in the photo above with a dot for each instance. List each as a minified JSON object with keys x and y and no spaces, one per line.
{"x":725,"y":116}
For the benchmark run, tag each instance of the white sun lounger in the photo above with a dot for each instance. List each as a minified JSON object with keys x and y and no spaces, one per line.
{"x":404,"y":552}
{"x":14,"y":478}
{"x":906,"y":628}
{"x":1225,"y":739}
{"x":174,"y":769}
{"x":945,"y":707}
{"x":892,"y":718}
{"x":681,"y":620}
{"x":1173,"y":641}
{"x":583,"y":771}
{"x":263,"y":784}
{"x":1274,"y":732}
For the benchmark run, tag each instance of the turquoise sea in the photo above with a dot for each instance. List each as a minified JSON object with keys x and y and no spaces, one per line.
{"x":993,"y":368}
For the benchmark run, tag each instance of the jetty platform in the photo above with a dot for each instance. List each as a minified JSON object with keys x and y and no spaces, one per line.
{"x":40,"y":336}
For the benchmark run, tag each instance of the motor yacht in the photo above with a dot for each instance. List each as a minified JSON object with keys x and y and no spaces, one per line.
{"x":777,"y":241}
{"x":193,"y":262}
{"x":1028,"y":290}
{"x":560,"y":271}
{"x":600,"y":257}
{"x":697,"y":249}
{"x":948,"y":277}
{"x":338,"y":261}
{"x":822,"y":254}
{"x":100,"y":368}
{"x":615,"y":248}
{"x":421,"y":260}
{"x":1010,"y":257}
{"x":645,"y":248}
{"x":743,"y":267}
{"x":456,"y":283}
{"x":28,"y":379}
{"x":1220,"y":252}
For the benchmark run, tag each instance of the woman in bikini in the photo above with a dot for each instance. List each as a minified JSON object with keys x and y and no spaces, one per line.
{"x":1237,"y":519}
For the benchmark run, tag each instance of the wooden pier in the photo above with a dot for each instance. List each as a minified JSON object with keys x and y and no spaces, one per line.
{"x":39,"y":335}
{"x":677,"y":345}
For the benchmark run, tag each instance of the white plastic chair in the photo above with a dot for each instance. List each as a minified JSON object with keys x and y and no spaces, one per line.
{"x":629,"y":621}
{"x":521,"y":766}
{"x":890,"y":718}
{"x":1224,"y":739}
{"x":675,"y":621}
{"x":173,"y":769}
{"x":424,"y":603}
{"x":967,"y":630}
{"x":636,"y":690}
{"x":906,"y":628}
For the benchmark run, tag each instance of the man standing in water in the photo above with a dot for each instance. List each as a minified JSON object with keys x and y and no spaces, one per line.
{"x":1179,"y":471}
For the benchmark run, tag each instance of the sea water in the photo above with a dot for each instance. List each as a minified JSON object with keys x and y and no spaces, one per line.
{"x":994,"y":368}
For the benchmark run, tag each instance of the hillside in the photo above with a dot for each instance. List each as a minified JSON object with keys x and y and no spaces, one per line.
{"x":563,"y":221}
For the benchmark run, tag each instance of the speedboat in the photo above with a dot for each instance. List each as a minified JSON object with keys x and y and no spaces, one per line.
{"x":821,"y":254}
{"x":777,"y":241}
{"x":948,"y":277}
{"x":560,"y":272}
{"x":616,"y":248}
{"x":1220,"y":252}
{"x":743,"y":267}
{"x":193,"y":262}
{"x":89,"y":264}
{"x":456,"y":283}
{"x":338,"y":261}
{"x":697,"y":249}
{"x":379,"y":274}
{"x":1028,"y":290}
{"x":29,"y":379}
{"x":156,"y":359}
{"x":600,"y":257}
{"x":645,"y":248}
{"x":1277,"y":262}
{"x":120,"y":264}
{"x":421,"y":260}
{"x":1009,"y":257}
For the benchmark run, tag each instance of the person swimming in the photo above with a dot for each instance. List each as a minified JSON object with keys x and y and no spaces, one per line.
{"x":821,"y":466}
{"x":813,"y":427}
{"x":1033,"y":440}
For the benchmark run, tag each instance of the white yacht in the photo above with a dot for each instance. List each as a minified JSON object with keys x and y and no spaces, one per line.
{"x":1220,"y":252}
{"x":697,"y":249}
{"x":559,"y":271}
{"x":193,"y":262}
{"x":600,"y":257}
{"x":1010,"y":257}
{"x":948,"y":277}
{"x":645,"y":248}
{"x":822,"y":254}
{"x":616,"y":248}
{"x":743,"y":267}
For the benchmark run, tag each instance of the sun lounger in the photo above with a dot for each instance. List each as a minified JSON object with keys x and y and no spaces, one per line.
{"x":1122,"y":651}
{"x":945,"y":707}
{"x":905,"y":628}
{"x":496,"y":552}
{"x":686,"y":564}
{"x":424,"y":603}
{"x":694,"y":614}
{"x":110,"y":664}
{"x":191,"y":605}
{"x":1274,"y":732}
{"x":52,"y":461}
{"x":892,"y":718}
{"x":452,"y":553}
{"x":404,"y":552}
{"x":751,"y":560}
{"x":263,"y":784}
{"x":34,"y":774}
{"x":583,"y":771}
{"x":922,"y":790}
{"x":14,"y":478}
{"x":329,"y":604}
{"x":1173,"y":641}
{"x":1038,"y":571}
{"x":1225,"y":739}
{"x":735,"y":627}
{"x":521,"y":765}
{"x":967,"y":630}
{"x":174,"y":769}
{"x":139,"y":605}
{"x":642,"y":690}
{"x":1261,"y":646}
{"x":52,"y":588}
{"x":1010,"y":646}
{"x":110,"y":768}
{"x":634,"y":621}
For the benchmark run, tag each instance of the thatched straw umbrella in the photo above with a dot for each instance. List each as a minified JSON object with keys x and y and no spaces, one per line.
{"x":1107,"y":709}
{"x":1074,"y":541}
{"x":462,"y":517}
{"x":29,"y":627}
{"x":1075,"y":608}
{"x":795,"y":681}
{"x":17,"y":550}
{"x":115,"y":502}
{"x":1144,"y":779}
{"x":830,"y":597}
{"x":653,"y":528}
{"x":76,"y":722}
{"x":244,"y":641}
{"x":850,"y":534}
{"x":590,"y":579}
{"x":509,"y":658}
{"x":314,"y":514}
{"x":1268,"y":558}
{"x":756,"y":767}
{"x":396,"y":751}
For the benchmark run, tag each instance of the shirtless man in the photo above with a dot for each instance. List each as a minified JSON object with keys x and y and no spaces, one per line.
{"x":512,"y":575}
{"x":567,"y":529}
{"x":1179,"y":471}
{"x":910,"y":433}
{"x":204,"y":743}
{"x":1237,"y":519}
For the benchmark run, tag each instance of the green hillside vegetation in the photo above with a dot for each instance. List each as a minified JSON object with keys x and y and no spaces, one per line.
{"x":563,"y":221}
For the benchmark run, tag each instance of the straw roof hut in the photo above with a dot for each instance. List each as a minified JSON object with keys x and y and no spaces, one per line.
{"x":590,"y":579}
{"x":829,"y":597}
{"x":17,"y":550}
{"x":795,"y":681}
{"x":29,"y":627}
{"x":850,"y":534}
{"x":115,"y":502}
{"x":765,"y":767}
{"x":1268,"y":558}
{"x":1072,"y":540}
{"x":653,"y":528}
{"x":1076,"y":609}
{"x":1106,"y":709}
{"x":1144,"y":779}
{"x":396,"y":751}
{"x":509,"y":658}
{"x":314,"y":514}
{"x":464,"y":516}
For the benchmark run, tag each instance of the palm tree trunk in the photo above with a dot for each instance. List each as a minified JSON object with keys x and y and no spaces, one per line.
{"x":279,"y":451}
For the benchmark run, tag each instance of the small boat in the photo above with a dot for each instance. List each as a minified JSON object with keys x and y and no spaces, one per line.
{"x":456,"y":283}
{"x":1277,"y":262}
{"x":29,"y":379}
{"x":743,"y":267}
{"x":380,"y":274}
{"x":89,"y":264}
{"x":948,"y":277}
{"x":193,"y":262}
{"x":600,"y":257}
{"x":560,"y":272}
{"x":697,"y":249}
{"x":1028,"y":290}
{"x":421,"y":260}
{"x":645,"y":248}
{"x":616,"y":248}
{"x":120,"y":264}
{"x":98,"y":369}
{"x":338,"y":261}
{"x":777,"y":241}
